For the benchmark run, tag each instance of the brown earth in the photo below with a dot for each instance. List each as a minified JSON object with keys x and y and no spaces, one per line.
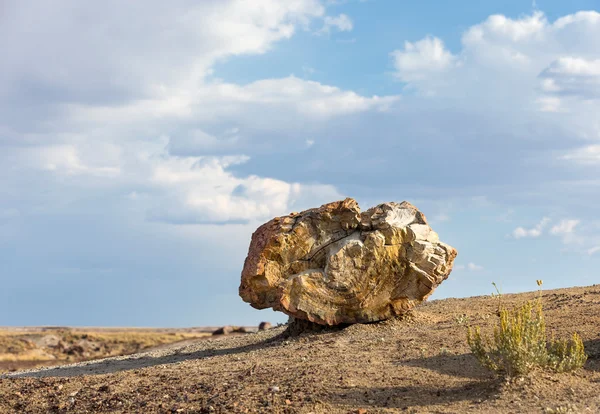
{"x":420,"y":363}
{"x":28,"y":347}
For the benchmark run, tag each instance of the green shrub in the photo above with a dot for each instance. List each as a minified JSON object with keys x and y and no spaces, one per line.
{"x":520,"y":344}
{"x":566,"y":355}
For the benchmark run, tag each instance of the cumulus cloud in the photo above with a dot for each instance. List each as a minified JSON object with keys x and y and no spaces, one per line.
{"x":162,"y":128}
{"x":593,"y":250}
{"x":201,"y":190}
{"x":205,"y":32}
{"x":536,"y":231}
{"x":572,"y":76}
{"x":420,"y":60}
{"x":543,"y":63}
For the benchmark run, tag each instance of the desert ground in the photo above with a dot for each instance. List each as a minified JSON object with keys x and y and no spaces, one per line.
{"x":29,"y":347}
{"x":419,"y":363}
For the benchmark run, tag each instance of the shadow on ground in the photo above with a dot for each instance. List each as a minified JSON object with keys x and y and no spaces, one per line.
{"x":464,"y":365}
{"x":111,"y":365}
{"x":415,"y":396}
{"x":480,"y":386}
{"x":592,"y":349}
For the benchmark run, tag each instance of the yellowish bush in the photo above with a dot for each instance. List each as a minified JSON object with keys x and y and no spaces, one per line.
{"x":520,"y":344}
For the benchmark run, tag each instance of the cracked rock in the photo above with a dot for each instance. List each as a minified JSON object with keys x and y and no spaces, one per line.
{"x":335,"y":265}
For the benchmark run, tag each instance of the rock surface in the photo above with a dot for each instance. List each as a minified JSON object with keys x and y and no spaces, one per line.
{"x":334,"y":264}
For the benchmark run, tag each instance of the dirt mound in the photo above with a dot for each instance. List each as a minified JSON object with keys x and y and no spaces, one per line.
{"x":419,"y":364}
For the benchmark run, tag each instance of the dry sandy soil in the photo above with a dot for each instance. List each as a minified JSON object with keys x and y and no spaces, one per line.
{"x":420,"y":363}
{"x":29,"y":347}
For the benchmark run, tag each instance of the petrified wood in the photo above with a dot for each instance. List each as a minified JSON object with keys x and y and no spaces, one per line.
{"x":334,"y":264}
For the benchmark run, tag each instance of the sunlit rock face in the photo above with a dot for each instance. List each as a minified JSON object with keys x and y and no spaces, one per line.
{"x":334,"y":264}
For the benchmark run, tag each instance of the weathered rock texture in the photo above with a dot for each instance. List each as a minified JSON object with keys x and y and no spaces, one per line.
{"x":334,"y":264}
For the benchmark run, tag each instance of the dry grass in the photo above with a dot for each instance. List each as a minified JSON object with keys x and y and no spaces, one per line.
{"x":520,"y":344}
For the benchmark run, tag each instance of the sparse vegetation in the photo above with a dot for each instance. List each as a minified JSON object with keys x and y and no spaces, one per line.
{"x":520,"y":343}
{"x":461,"y":320}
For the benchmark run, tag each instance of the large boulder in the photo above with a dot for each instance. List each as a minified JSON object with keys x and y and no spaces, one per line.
{"x":334,"y":264}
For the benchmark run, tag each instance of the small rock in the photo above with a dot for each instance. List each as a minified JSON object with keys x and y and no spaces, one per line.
{"x":263,"y":326}
{"x":361,"y":411}
{"x":274,"y":389}
{"x":225,"y":330}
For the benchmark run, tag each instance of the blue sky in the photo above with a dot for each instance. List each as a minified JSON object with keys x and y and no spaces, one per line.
{"x":141,"y":143}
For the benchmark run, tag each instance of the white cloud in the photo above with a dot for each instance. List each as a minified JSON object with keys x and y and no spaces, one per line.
{"x":289,"y":101}
{"x":544,"y":65}
{"x":564,"y":227}
{"x":190,"y":40}
{"x":202,"y":190}
{"x":585,"y":155}
{"x":159,"y":129}
{"x":566,"y":230}
{"x":570,"y":66}
{"x":342,"y":23}
{"x":572,"y":76}
{"x":419,"y":60}
{"x":593,"y":250}
{"x":66,"y":159}
{"x":521,"y":232}
{"x":500,"y":29}
{"x":306,"y":97}
{"x":549,"y":104}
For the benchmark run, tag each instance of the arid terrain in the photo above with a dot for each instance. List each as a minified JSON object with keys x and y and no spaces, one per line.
{"x":419,"y":363}
{"x":29,"y":347}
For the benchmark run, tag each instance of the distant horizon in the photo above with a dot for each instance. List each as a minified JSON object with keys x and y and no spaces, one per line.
{"x":142,"y":143}
{"x":279,"y":314}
